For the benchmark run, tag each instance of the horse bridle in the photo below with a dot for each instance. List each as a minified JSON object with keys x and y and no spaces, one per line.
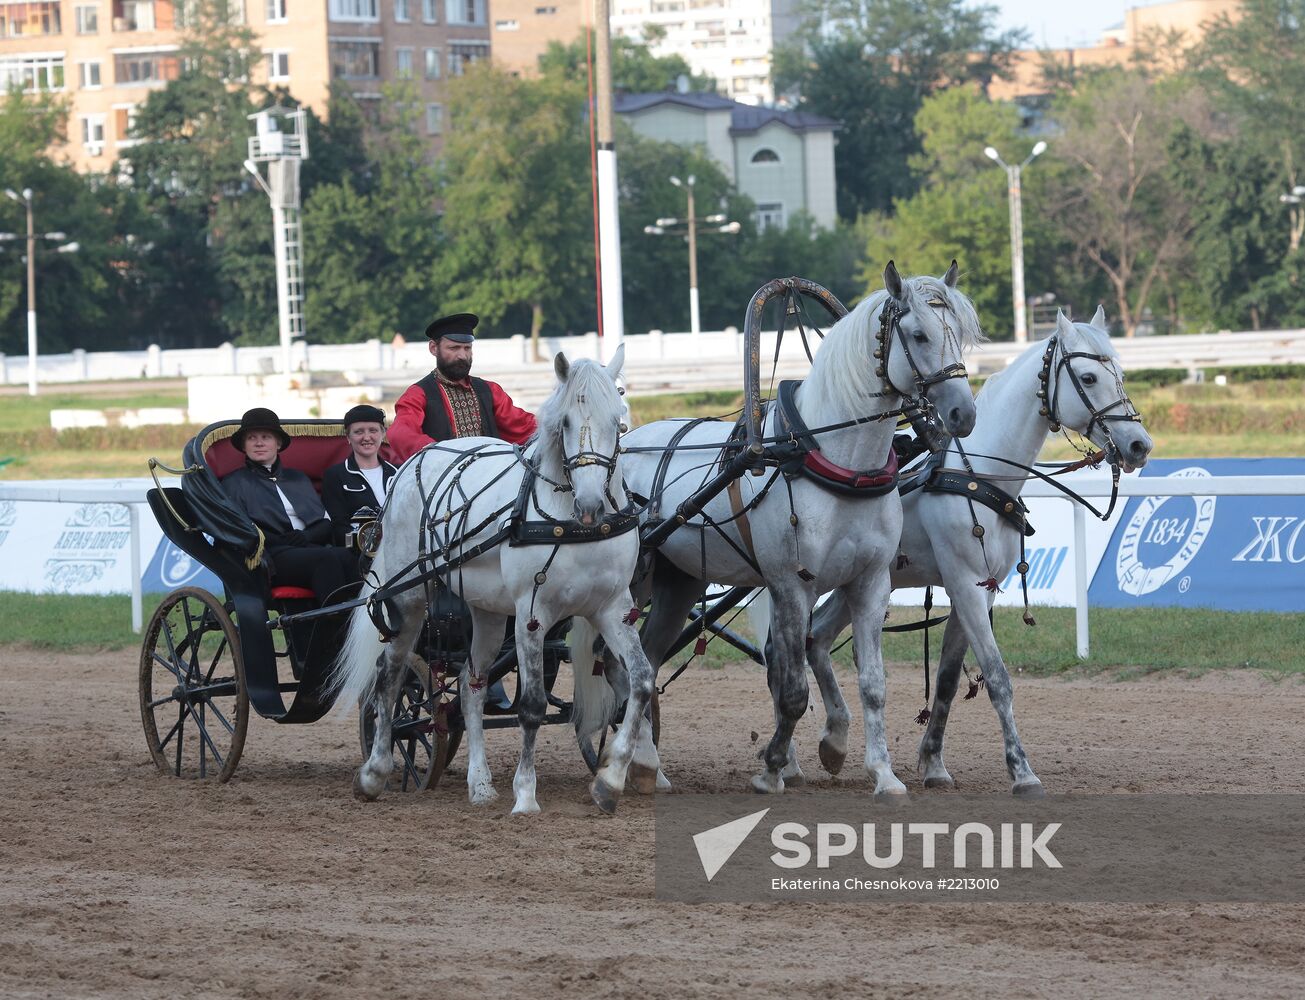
{"x":1049,"y":394}
{"x":917,"y":408}
{"x":586,"y":456}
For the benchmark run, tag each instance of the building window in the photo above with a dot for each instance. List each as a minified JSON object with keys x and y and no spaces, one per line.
{"x":145,"y":67}
{"x":88,"y":20}
{"x":432,"y":64}
{"x":461,"y":54}
{"x":124,"y":122}
{"x":278,"y":64}
{"x":434,"y":119}
{"x":430,"y":11}
{"x":507,"y":25}
{"x":765,"y":156}
{"x":770,"y":214}
{"x":32,"y":73}
{"x":546,"y":11}
{"x":402,"y":13}
{"x":23,"y":19}
{"x":354,"y":10}
{"x":134,"y":15}
{"x":403,"y":63}
{"x":465,"y":11}
{"x":356,"y":60}
{"x":93,"y":131}
{"x":89,"y":75}
{"x":276,"y":11}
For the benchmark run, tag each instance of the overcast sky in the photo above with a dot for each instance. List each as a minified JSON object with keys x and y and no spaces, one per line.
{"x":1060,"y":24}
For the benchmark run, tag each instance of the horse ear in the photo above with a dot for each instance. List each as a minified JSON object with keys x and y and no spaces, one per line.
{"x":1063,"y":325}
{"x":1099,"y":319}
{"x":617,"y":363}
{"x":952,"y":276}
{"x":561,"y":366}
{"x":893,"y":280}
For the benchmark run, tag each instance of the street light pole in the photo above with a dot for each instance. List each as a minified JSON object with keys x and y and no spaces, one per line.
{"x":1016,"y":234}
{"x":31,"y":238}
{"x":695,"y":326}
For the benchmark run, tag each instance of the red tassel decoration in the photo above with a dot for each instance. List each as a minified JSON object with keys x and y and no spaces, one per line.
{"x":923,"y":718}
{"x":1028,"y":619}
{"x":632,"y":616}
{"x":700,"y":646}
{"x":974,"y":688}
{"x":989,"y":584}
{"x":532,"y":625}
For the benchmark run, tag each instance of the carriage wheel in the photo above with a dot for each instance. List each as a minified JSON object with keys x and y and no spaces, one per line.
{"x":420,"y":740}
{"x":193,"y":703}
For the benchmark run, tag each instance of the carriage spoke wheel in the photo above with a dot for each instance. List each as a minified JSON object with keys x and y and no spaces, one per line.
{"x":193,"y":702}
{"x":420,"y":735}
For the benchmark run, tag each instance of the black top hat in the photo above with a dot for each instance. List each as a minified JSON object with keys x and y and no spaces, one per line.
{"x":457,"y":328}
{"x":364,"y":413}
{"x":260,"y":418}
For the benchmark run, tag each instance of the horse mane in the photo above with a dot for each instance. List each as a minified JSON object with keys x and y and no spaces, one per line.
{"x":844,"y":358}
{"x":587,"y":379}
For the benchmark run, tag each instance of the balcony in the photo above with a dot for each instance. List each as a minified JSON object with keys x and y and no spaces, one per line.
{"x":133,"y":15}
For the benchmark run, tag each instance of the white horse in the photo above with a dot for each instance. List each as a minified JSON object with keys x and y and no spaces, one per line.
{"x":800,"y":537}
{"x":458,"y":494}
{"x":1074,"y":380}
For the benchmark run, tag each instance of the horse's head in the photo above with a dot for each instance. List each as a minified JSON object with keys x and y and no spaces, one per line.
{"x":582,"y":421}
{"x":924,"y":327}
{"x":1083,"y":389}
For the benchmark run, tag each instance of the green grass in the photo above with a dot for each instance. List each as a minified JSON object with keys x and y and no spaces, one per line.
{"x":60,"y":622}
{"x":1125,"y":642}
{"x":26,"y":413}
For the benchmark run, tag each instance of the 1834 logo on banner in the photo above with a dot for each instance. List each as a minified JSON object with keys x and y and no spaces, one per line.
{"x":1162,"y":537}
{"x":92,"y":540}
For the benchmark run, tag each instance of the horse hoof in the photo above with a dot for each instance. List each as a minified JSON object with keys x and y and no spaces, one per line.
{"x":795,"y":779}
{"x":939,"y":781}
{"x":361,"y":789}
{"x":482,"y":795}
{"x":1029,"y":790}
{"x":764,"y":784}
{"x":893,"y":794}
{"x":643,"y":779}
{"x":831,"y":758}
{"x":529,"y":808}
{"x":604,"y":795}
{"x":663,"y":782}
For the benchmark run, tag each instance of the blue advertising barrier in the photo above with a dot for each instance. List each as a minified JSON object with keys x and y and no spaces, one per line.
{"x":1233,"y":553}
{"x":171,"y":568}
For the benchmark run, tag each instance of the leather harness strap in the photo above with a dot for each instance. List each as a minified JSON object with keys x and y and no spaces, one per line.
{"x":1011,"y":509}
{"x":741,"y":519}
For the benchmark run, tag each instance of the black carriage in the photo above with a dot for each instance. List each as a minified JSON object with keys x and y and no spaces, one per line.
{"x":206,"y":659}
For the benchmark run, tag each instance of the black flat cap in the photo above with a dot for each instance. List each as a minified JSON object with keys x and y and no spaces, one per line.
{"x":364,"y":413}
{"x":456,"y":328}
{"x":260,"y":418}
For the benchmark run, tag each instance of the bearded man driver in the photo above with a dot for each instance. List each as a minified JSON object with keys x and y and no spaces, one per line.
{"x":450,"y":402}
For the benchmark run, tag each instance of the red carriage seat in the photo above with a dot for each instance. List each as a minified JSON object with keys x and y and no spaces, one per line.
{"x":315,"y":446}
{"x":293,"y":594}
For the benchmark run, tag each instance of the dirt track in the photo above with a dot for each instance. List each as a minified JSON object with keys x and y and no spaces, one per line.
{"x":115,"y":881}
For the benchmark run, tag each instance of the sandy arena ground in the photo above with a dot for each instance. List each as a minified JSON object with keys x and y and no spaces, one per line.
{"x":118,"y":882}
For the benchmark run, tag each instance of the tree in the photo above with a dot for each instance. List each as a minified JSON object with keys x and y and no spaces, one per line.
{"x":635,"y":70}
{"x":372,"y":238}
{"x":518,"y":216}
{"x":1118,"y":205}
{"x":870,"y":64}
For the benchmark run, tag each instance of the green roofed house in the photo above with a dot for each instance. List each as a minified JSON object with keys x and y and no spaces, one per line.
{"x":782,"y":160}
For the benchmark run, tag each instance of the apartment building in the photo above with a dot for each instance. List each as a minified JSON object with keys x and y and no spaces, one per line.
{"x":108,"y":55}
{"x":523,"y":29}
{"x":732,"y":41}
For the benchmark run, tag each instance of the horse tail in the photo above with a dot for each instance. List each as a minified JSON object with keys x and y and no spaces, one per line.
{"x":353,"y":674}
{"x":594,"y":704}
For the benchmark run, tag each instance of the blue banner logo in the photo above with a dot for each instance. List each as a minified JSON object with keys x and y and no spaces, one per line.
{"x":172,"y":568}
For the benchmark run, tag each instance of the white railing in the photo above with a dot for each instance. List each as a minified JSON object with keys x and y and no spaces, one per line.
{"x":505,"y":354}
{"x":1136,"y":486}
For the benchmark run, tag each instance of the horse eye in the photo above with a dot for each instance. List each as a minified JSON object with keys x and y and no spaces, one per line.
{"x":566,"y":423}
{"x":921,"y":337}
{"x":1089,"y":379}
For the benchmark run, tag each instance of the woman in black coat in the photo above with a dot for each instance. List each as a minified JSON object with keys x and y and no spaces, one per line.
{"x":359,"y":483}
{"x":284,"y":505}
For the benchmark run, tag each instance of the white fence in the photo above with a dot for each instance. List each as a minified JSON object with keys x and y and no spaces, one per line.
{"x":1200,"y":350}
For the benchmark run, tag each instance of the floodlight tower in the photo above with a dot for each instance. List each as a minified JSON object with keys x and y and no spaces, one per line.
{"x":280,"y":140}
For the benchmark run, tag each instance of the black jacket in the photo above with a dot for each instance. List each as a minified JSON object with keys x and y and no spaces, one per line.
{"x":253,"y":490}
{"x":345,"y":491}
